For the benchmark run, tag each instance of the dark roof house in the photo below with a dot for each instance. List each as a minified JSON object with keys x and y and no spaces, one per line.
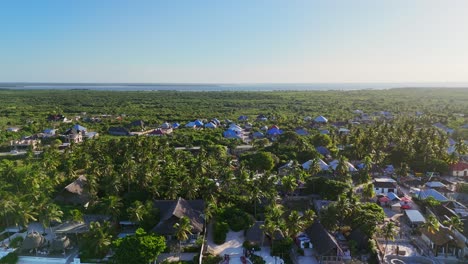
{"x":173,"y":210}
{"x":119,"y":131}
{"x":323,"y":242}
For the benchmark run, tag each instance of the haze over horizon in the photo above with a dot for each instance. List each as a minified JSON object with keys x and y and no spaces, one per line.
{"x":333,"y":41}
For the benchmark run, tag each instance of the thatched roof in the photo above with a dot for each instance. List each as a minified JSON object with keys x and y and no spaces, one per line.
{"x":324,"y":243}
{"x":75,"y":192}
{"x":172,"y":211}
{"x":32,"y":241}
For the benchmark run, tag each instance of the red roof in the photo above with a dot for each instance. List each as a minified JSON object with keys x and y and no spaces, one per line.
{"x":460,"y":166}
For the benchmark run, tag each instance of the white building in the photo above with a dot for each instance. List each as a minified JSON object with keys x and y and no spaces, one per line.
{"x":384,"y":186}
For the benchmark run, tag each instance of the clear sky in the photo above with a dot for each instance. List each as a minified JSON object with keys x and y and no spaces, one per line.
{"x":241,"y":41}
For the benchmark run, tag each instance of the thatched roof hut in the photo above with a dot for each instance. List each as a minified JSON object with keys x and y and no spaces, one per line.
{"x":76,"y":193}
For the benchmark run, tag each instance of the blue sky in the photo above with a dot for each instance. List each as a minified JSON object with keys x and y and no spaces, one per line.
{"x":242,"y":41}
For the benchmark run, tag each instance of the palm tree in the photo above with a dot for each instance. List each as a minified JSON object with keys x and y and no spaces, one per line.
{"x":315,"y":167}
{"x":49,"y":212}
{"x":7,"y":207}
{"x":388,"y":231}
{"x":289,"y":184}
{"x":269,"y":228}
{"x":461,"y":148}
{"x":137,"y":211}
{"x":431,"y":225}
{"x":98,"y":240}
{"x":111,"y":205}
{"x":368,"y":191}
{"x":296,"y":223}
{"x":24,"y":212}
{"x":183,"y":230}
{"x":454,"y":223}
{"x":342,"y":169}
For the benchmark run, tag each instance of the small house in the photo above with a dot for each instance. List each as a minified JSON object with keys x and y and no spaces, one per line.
{"x":320,"y":119}
{"x":414,"y":217}
{"x":119,"y":131}
{"x":384,"y":185}
{"x":459,"y":169}
{"x":325,"y":245}
{"x":171,"y":211}
{"x":75,"y":193}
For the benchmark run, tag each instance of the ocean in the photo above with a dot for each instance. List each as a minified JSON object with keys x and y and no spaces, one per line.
{"x":223,"y":87}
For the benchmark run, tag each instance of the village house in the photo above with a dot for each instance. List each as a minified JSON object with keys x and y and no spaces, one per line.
{"x":75,"y":193}
{"x":171,"y":211}
{"x":459,"y":169}
{"x":384,"y":185}
{"x":325,"y":245}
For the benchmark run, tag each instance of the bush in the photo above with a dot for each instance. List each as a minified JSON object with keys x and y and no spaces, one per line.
{"x":257,"y":259}
{"x":192,"y":249}
{"x":208,"y":259}
{"x":220,"y":231}
{"x":249,"y":245}
{"x":11,"y":258}
{"x":236,"y":218}
{"x":281,"y":247}
{"x":16,"y":242}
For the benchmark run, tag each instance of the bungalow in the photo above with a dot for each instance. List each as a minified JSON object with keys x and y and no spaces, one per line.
{"x":326,"y":247}
{"x":171,"y":211}
{"x":75,"y":193}
{"x":460,"y":169}
{"x":320,"y":119}
{"x":384,"y":185}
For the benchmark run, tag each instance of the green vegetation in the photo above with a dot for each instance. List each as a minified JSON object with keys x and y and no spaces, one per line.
{"x":125,"y":174}
{"x":11,"y":258}
{"x":138,"y":248}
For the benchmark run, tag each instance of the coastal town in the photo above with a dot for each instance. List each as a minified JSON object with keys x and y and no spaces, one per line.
{"x":378,"y":187}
